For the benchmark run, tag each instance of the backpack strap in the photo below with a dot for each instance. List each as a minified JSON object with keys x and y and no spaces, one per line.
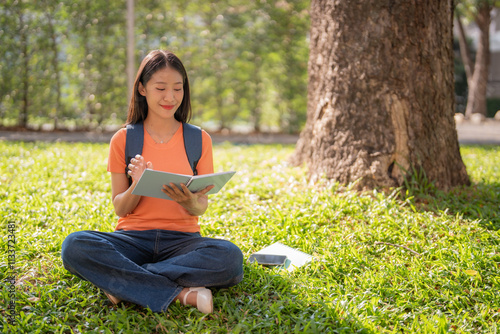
{"x":192,"y":144}
{"x":133,"y":144}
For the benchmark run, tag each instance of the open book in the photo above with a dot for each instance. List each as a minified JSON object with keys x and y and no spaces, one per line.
{"x":152,"y":181}
{"x":294,"y":257}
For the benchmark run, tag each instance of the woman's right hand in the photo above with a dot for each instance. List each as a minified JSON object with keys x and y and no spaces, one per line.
{"x":137,"y":166}
{"x":123,"y":199}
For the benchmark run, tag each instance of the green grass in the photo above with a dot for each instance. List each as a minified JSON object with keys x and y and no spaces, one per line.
{"x":425,"y":262}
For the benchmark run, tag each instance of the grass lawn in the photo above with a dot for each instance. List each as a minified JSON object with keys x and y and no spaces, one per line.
{"x":425,"y":262}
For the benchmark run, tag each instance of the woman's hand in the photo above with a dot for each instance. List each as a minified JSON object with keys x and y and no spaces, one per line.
{"x":137,"y":166}
{"x":123,"y":199}
{"x":195,"y":203}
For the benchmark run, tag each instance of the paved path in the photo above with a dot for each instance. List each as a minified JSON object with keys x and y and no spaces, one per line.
{"x":97,"y":137}
{"x":484,"y":133}
{"x":468,"y":133}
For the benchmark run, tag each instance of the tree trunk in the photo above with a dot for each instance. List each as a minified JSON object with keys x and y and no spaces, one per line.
{"x":477,"y":83}
{"x":465,"y":52}
{"x":381,"y":94}
{"x":130,"y":48}
{"x":55,"y":66}
{"x":23,"y":113}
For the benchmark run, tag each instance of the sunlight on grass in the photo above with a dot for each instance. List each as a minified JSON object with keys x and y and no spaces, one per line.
{"x":383,"y":263}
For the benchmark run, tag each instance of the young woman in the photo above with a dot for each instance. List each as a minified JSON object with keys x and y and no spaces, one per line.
{"x":156,"y":254}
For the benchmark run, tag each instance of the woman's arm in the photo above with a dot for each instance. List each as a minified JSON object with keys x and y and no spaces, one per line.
{"x":123,"y":199}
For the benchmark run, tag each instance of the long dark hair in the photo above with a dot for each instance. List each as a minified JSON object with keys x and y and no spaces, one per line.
{"x":154,"y":61}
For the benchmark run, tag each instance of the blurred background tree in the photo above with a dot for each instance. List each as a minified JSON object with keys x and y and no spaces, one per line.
{"x":63,"y":64}
{"x":477,"y":65}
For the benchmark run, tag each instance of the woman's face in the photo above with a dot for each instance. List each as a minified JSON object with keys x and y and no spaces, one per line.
{"x":164,"y":93}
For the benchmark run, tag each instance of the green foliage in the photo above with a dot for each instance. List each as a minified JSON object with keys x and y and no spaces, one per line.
{"x":66,"y":60}
{"x":470,"y":8}
{"x":492,"y":106}
{"x":382,"y":263}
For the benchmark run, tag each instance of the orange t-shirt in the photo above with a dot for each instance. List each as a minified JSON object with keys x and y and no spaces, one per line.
{"x":154,"y":213}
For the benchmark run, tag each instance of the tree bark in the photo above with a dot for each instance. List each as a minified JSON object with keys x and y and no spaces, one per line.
{"x":478,"y":81}
{"x":381,"y":94}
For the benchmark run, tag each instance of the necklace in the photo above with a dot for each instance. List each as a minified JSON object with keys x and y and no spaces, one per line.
{"x":157,"y":138}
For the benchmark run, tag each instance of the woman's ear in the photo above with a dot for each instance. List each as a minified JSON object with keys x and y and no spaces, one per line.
{"x":141,"y":89}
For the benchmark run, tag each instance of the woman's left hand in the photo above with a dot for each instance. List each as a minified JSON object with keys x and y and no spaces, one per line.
{"x":195,"y":203}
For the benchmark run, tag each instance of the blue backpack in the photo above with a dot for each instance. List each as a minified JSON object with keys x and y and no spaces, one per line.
{"x":135,"y":142}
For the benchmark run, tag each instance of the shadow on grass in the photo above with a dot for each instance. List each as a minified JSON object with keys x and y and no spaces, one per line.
{"x":480,"y":201}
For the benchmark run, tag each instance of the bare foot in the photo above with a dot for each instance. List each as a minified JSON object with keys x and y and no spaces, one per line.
{"x":199,"y":297}
{"x":191,"y":298}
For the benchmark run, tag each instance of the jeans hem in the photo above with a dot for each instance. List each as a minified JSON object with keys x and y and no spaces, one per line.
{"x":225,"y":284}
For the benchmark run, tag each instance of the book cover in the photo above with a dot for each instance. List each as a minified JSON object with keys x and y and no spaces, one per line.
{"x":152,"y":181}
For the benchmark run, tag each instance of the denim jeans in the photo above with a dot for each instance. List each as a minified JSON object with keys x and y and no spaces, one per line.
{"x":150,"y":268}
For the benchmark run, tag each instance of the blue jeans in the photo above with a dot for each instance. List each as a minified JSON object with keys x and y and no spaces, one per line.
{"x":150,"y":268}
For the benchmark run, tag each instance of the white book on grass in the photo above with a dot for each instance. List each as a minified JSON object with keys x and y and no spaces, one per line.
{"x":151,"y":182}
{"x":295,"y":258}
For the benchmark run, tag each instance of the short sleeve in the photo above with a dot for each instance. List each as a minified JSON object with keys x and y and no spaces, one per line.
{"x":116,"y":159}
